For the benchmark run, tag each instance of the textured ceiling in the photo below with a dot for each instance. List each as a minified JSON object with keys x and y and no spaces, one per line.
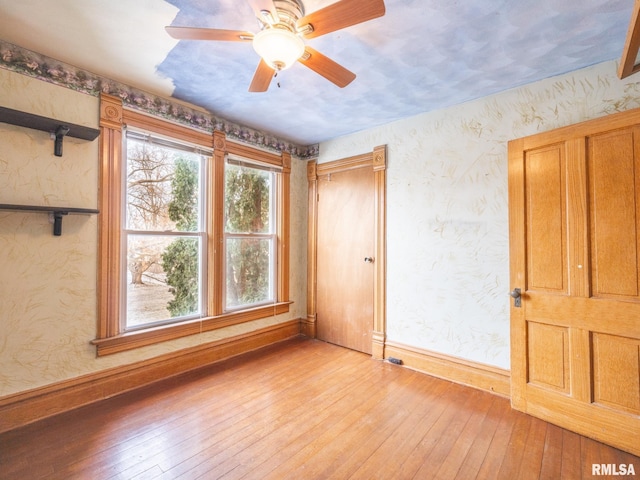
{"x":422,"y":55}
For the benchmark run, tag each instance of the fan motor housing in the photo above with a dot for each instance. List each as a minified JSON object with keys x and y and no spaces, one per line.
{"x":289,"y":11}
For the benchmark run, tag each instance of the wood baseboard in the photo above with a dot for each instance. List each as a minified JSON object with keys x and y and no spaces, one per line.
{"x":27,"y":407}
{"x":308,"y":326}
{"x":477,"y":375}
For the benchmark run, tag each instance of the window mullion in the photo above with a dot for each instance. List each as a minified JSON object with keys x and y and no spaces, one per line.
{"x":250,"y":235}
{"x":216,"y":223}
{"x":162,"y":233}
{"x":282,"y":229}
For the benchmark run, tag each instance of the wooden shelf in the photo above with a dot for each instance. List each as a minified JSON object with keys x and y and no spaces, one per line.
{"x":57,"y":128}
{"x":57,"y":212}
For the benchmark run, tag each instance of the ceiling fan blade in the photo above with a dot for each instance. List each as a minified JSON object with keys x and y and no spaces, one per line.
{"x":326,"y":67}
{"x":260,"y":6}
{"x":341,"y":14}
{"x":193,"y":33}
{"x":262,"y":77}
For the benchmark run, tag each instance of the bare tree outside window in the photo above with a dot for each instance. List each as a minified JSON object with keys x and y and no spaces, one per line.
{"x":149,"y":175}
{"x":163,"y":191}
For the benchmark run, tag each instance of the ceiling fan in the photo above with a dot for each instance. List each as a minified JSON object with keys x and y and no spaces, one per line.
{"x":280,"y":42}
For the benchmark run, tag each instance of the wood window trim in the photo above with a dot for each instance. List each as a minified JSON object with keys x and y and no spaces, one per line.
{"x":628,"y":65}
{"x":149,"y":336}
{"x":377,"y":160}
{"x":113,"y":118}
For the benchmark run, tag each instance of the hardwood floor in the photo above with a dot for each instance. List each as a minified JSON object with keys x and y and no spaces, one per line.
{"x":301,"y":409}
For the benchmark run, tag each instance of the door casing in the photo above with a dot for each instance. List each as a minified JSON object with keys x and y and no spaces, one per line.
{"x":377,"y":160}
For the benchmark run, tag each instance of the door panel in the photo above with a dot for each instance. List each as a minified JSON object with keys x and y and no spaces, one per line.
{"x":614,"y":173}
{"x":546,"y":254}
{"x":548,"y":356}
{"x":616,"y":372}
{"x":345,"y":234}
{"x":574,"y":252}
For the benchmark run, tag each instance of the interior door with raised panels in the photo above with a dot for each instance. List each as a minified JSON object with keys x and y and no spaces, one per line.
{"x":574,"y":198}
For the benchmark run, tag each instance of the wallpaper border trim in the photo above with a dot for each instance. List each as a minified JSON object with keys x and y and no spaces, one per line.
{"x":41,"y":67}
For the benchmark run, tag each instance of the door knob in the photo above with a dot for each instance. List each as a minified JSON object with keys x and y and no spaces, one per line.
{"x":368,"y":259}
{"x":516,"y":294}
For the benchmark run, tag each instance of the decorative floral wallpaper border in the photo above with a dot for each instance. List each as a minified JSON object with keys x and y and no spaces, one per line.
{"x":26,"y":62}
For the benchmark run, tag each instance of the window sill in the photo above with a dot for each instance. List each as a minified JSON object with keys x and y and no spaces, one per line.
{"x":150,"y":336}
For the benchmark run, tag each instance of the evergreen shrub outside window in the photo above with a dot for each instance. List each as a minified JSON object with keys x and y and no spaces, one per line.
{"x":250,"y":234}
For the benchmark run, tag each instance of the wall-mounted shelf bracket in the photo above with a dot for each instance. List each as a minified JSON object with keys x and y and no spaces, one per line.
{"x":55,"y":212}
{"x":56,"y":128}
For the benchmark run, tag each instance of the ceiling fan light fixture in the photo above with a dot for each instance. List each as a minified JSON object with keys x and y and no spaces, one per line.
{"x":278,"y":47}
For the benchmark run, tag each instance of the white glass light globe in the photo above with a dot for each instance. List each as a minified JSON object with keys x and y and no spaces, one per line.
{"x":278,"y":47}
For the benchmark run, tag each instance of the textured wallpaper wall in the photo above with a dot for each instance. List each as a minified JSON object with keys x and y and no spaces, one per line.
{"x":447,"y":212}
{"x":447,"y":224}
{"x":47,"y":283}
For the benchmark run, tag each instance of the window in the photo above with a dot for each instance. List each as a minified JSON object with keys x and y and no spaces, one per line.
{"x":193,"y":231}
{"x":163,"y":234}
{"x":250,"y":234}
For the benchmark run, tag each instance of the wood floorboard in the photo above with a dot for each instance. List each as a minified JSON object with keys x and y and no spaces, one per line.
{"x":242,"y":419}
{"x":397,"y":446}
{"x":498,"y":446}
{"x":300,"y":409}
{"x":154,"y":428}
{"x":323,"y":389}
{"x":337,"y":415}
{"x":357,"y":443}
{"x":515,"y":448}
{"x":450,"y":465}
{"x":315,"y":439}
{"x":133,"y":424}
{"x":444,"y":446}
{"x":552,"y":453}
{"x":436,"y":442}
{"x":476,"y":456}
{"x":530,"y":462}
{"x":391,"y":456}
{"x":571,"y":456}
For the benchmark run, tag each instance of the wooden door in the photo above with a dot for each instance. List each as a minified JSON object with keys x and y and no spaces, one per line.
{"x":345,"y":257}
{"x":574,"y":210}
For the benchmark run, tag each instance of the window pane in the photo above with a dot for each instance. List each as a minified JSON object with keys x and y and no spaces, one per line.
{"x":163,"y":188}
{"x":248,"y":262}
{"x":247,"y":199}
{"x":163,"y":277}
